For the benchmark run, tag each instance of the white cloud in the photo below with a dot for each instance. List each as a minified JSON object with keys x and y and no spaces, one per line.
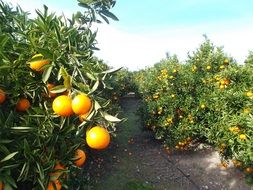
{"x":137,"y":51}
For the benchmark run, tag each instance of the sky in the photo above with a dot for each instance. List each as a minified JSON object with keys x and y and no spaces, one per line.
{"x":147,"y":29}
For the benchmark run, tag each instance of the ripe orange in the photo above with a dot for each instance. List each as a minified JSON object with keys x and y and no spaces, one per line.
{"x":242,"y":137}
{"x":222,"y":86}
{"x":226,"y":81}
{"x":223,"y":165}
{"x":49,"y":87}
{"x":51,"y":184}
{"x":222,"y":67}
{"x":23,"y":104}
{"x":249,"y":170}
{"x":81,"y":104}
{"x":80,"y":156}
{"x":98,"y":138}
{"x":226,"y":62}
{"x":249,"y":94}
{"x":39,"y":62}
{"x":62,"y":105}
{"x":203,"y":106}
{"x":2,"y":96}
{"x":57,"y":173}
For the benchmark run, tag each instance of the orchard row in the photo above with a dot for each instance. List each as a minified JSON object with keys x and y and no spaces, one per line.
{"x":208,"y":98}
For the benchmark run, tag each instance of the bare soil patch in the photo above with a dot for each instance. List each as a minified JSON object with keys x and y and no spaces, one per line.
{"x":135,"y":160}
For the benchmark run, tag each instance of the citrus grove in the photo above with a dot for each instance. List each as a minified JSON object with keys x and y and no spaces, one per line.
{"x":58,"y":102}
{"x":52,"y":105}
{"x":206,"y":99}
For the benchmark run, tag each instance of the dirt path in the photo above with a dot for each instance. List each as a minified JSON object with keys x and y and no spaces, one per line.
{"x":135,"y":161}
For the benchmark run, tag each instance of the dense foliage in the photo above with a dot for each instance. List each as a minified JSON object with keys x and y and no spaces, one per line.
{"x":207,"y":98}
{"x":45,"y":63}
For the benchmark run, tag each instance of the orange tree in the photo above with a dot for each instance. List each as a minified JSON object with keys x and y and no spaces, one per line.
{"x":232,"y":133}
{"x":120,"y":84}
{"x":46,"y":64}
{"x":206,"y":98}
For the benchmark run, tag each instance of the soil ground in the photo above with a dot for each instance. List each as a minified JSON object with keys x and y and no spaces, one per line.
{"x":136,"y":161}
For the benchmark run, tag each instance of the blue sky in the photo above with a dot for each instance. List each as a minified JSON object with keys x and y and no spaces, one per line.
{"x":149,"y":28}
{"x":161,"y":13}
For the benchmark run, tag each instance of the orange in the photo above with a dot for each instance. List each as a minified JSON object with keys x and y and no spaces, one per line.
{"x":203,"y":106}
{"x":62,"y":105}
{"x":249,"y":94}
{"x":80,"y":156}
{"x":242,"y":137}
{"x":226,"y":81}
{"x":57,"y":173}
{"x":81,"y":104}
{"x":223,"y":164}
{"x":226,"y":62}
{"x":249,"y":170}
{"x":222,"y":67}
{"x":222,"y":86}
{"x":49,"y":87}
{"x":51,"y":184}
{"x":98,"y":138}
{"x":23,"y":104}
{"x":2,"y":96}
{"x":1,"y":185}
{"x":38,"y":63}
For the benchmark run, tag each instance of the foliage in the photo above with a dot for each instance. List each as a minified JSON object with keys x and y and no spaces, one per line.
{"x":34,"y":141}
{"x":208,"y":98}
{"x":120,"y":85}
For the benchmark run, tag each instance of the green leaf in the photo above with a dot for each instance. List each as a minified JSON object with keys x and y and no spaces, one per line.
{"x":66,"y":77}
{"x":7,"y":141}
{"x":46,"y":74}
{"x":112,"y":70}
{"x":9,"y":119}
{"x":8,"y":167}
{"x":5,"y":67}
{"x":21,"y":128}
{"x":58,"y":89}
{"x":109,"y":117}
{"x":97,"y":105}
{"x":109,"y":14}
{"x":24,"y":171}
{"x":57,"y":32}
{"x":91,"y":76}
{"x":86,"y":120}
{"x":10,"y":156}
{"x":40,"y":171}
{"x":104,"y":18}
{"x":95,"y":86}
{"x":40,"y":15}
{"x":3,"y":40}
{"x":10,"y":183}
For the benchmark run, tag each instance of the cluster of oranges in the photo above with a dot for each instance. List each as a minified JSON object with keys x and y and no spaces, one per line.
{"x":63,"y":105}
{"x":23,"y":104}
{"x":182,"y":145}
{"x":58,"y":171}
{"x":238,"y":164}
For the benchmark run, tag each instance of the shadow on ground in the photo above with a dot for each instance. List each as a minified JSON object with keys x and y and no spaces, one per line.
{"x":135,"y":161}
